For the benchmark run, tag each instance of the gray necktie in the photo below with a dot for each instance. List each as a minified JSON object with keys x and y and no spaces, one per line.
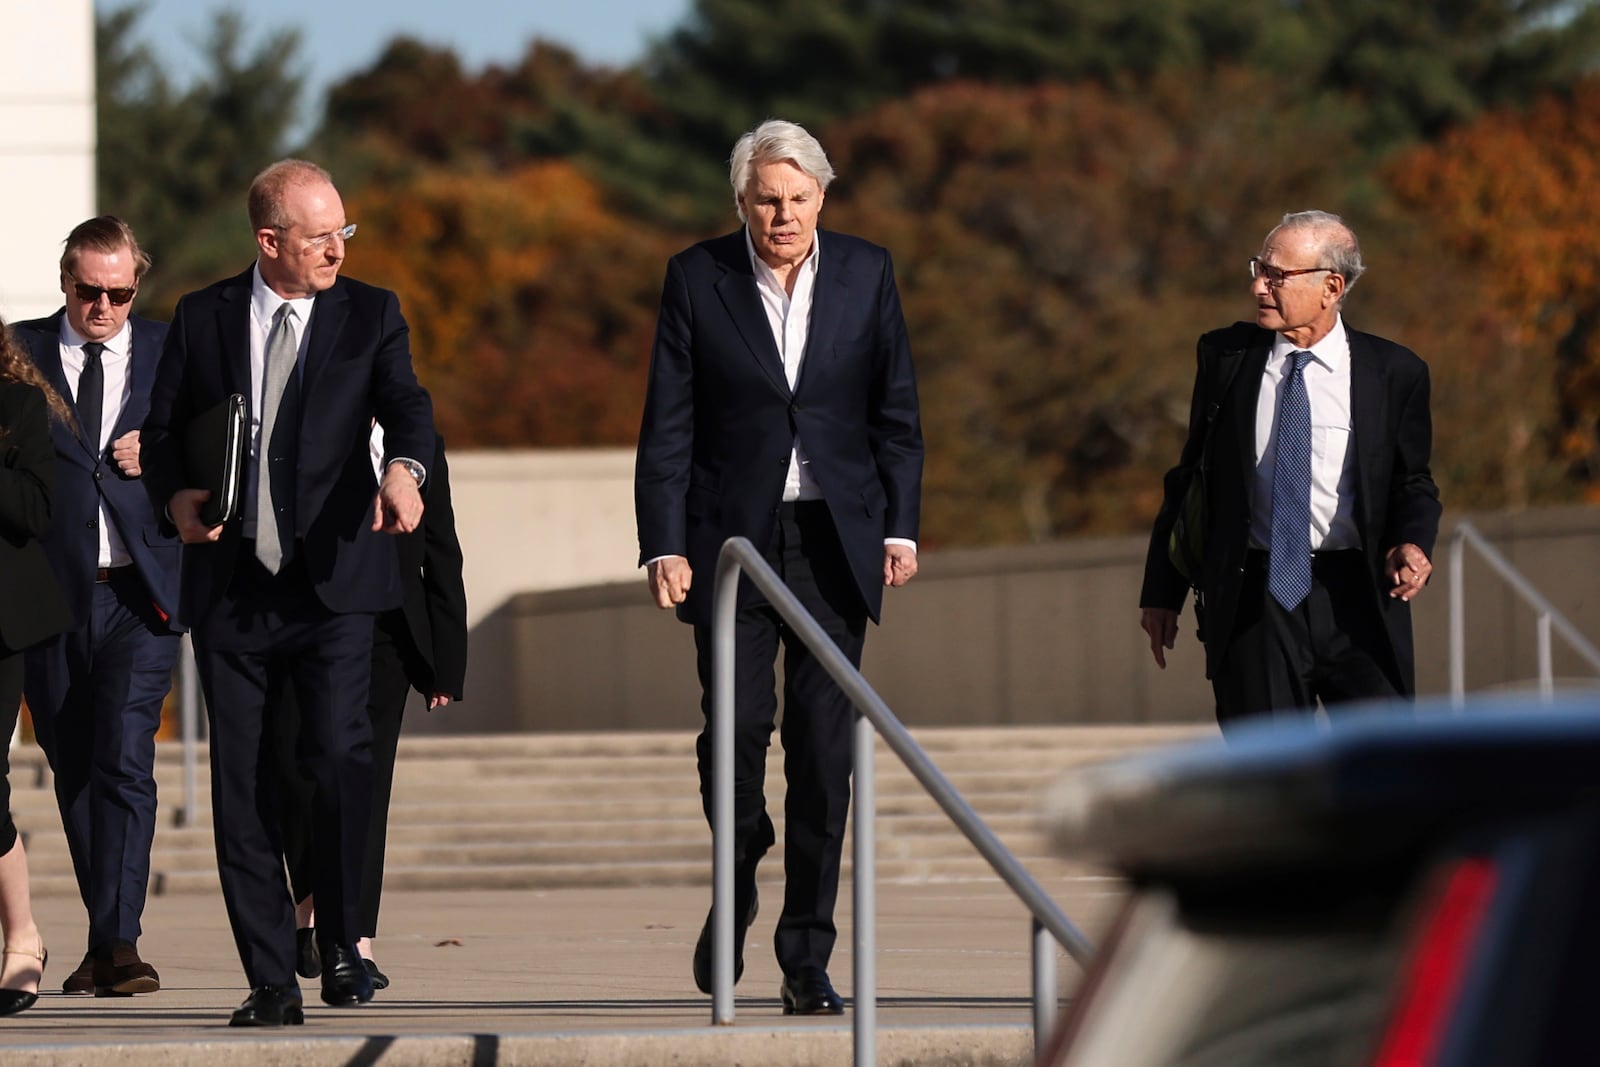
{"x":282,"y":352}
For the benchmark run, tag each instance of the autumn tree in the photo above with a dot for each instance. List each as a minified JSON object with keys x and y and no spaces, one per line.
{"x":531,"y":306}
{"x":1060,"y":249}
{"x":1512,"y":192}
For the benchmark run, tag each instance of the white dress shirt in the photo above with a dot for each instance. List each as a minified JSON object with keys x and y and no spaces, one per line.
{"x":114,"y":362}
{"x":789,"y":317}
{"x":1333,"y":481}
{"x":264,"y":304}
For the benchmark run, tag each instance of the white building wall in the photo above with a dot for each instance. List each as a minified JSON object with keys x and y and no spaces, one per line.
{"x":47,"y":145}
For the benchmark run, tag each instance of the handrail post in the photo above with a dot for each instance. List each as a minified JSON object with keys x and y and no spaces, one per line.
{"x":1044,"y":986}
{"x":189,"y":730}
{"x":1458,"y":619}
{"x":1547,"y":670}
{"x":865,"y":878}
{"x":724,"y":608}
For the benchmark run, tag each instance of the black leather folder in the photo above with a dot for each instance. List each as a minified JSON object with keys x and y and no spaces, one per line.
{"x":214,"y":455}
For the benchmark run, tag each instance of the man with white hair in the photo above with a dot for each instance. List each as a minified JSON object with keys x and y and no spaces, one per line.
{"x":782,"y":407}
{"x":1311,"y":443}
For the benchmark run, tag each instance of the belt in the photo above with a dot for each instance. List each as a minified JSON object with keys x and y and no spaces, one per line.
{"x":103,"y":574}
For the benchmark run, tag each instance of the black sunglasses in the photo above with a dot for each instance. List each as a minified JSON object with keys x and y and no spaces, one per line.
{"x":91,"y":293}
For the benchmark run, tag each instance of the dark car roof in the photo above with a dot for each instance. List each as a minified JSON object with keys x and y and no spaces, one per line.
{"x":1364,"y":785}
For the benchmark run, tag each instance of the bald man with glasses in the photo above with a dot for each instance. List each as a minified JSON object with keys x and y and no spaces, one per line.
{"x":95,"y":691}
{"x":1310,"y":442}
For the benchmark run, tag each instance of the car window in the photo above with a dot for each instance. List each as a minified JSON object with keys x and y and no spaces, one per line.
{"x":1249,"y":983}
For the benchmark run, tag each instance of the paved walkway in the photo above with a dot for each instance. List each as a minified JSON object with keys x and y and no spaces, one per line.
{"x":564,"y":976}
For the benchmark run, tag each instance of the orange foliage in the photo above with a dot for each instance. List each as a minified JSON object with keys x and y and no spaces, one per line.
{"x":1514,"y":192}
{"x":531,"y":306}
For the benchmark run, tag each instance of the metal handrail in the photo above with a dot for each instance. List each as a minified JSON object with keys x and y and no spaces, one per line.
{"x":1548,"y":618}
{"x":738,"y":556}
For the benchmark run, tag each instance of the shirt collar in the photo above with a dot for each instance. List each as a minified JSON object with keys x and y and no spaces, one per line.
{"x":1333,"y":351}
{"x":761,"y":269}
{"x":117,"y":345}
{"x":265,"y":303}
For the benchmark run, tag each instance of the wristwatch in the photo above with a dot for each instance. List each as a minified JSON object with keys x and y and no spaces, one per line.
{"x":412,"y":467}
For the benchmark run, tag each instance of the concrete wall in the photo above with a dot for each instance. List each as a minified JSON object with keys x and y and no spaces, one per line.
{"x":47,"y":111}
{"x":1038,"y":634}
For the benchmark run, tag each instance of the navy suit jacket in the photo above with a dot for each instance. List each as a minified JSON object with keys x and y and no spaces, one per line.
{"x":1396,"y":501}
{"x":86,"y":478}
{"x":720,"y":419}
{"x":357,"y":367}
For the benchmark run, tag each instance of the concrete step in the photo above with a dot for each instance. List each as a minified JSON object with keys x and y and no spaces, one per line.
{"x":573,"y":810}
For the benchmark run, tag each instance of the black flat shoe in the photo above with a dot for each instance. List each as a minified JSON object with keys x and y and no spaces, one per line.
{"x":270,"y":1006}
{"x":345,"y":981}
{"x":379,"y":979}
{"x":16,"y":1001}
{"x":702,"y":947}
{"x":307,"y":961}
{"x":810,"y":994}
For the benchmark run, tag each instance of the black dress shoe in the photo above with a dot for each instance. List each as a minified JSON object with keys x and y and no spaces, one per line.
{"x":379,"y":979}
{"x":307,"y":961}
{"x":345,"y":979}
{"x":702,"y":947}
{"x":81,"y":981}
{"x":810,"y":994}
{"x":270,"y":1005}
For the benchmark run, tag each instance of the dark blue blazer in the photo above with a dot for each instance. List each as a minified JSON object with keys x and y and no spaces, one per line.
{"x":86,"y":478}
{"x":720,"y":420}
{"x":357,"y":367}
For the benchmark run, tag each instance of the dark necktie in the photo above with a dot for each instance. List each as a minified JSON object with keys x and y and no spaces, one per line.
{"x":91,"y":394}
{"x":1289,"y":559}
{"x":272,"y":502}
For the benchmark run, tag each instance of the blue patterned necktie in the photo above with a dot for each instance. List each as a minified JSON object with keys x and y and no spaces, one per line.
{"x":1289,"y":559}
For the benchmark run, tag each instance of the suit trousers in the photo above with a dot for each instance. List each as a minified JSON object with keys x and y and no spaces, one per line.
{"x":386,"y":705}
{"x":816,"y":734}
{"x":96,"y":694}
{"x":1331,"y":648}
{"x":269,"y":632}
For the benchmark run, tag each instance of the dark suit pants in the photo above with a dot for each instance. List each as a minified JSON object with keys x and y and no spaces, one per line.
{"x":816,"y":733}
{"x":1331,"y":648}
{"x":269,"y":632}
{"x":386,"y":707}
{"x":96,"y":696}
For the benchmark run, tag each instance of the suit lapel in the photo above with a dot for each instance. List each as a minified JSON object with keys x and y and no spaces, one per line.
{"x":233,"y":333}
{"x":737,"y":290}
{"x":831,"y":287}
{"x":1368,"y":404}
{"x":328,"y":316}
{"x":1248,"y":377}
{"x":143,"y":355}
{"x":45,"y":346}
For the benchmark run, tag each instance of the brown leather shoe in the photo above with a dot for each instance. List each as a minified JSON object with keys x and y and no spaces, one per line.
{"x":123,"y":974}
{"x":81,"y":981}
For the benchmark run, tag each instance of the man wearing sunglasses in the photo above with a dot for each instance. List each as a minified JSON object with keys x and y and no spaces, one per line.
{"x":96,"y":691}
{"x":1320,"y":513}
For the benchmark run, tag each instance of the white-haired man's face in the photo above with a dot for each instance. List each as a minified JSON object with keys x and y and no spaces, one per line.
{"x":781,"y":206}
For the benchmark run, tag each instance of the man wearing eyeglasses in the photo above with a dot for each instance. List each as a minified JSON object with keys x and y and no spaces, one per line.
{"x":1320,"y":511}
{"x":285,"y":594}
{"x":95,"y":691}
